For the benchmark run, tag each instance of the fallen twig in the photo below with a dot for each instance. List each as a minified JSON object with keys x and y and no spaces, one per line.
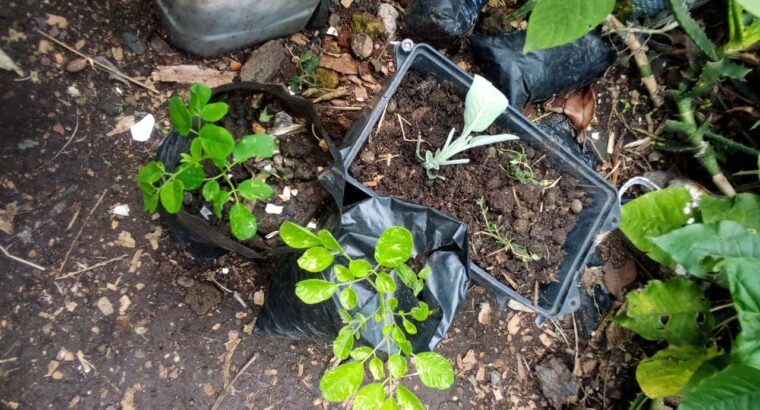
{"x":89,"y":268}
{"x":84,"y":224}
{"x":71,"y":138}
{"x":228,"y":388}
{"x":17,"y":259}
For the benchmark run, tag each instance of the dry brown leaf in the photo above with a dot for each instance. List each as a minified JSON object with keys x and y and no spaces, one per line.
{"x":484,"y":316}
{"x":191,"y":74}
{"x":513,"y":326}
{"x":344,"y":64}
{"x":128,"y":401}
{"x":122,"y":125}
{"x":125,"y":240}
{"x":580,"y":108}
{"x":6,"y":218}
{"x":58,"y":21}
{"x":616,"y":278}
{"x":346,"y":3}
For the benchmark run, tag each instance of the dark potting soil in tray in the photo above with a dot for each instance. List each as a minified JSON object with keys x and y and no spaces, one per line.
{"x":297,"y":162}
{"x":535,"y":217}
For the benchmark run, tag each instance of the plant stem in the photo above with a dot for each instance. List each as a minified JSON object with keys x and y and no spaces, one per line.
{"x":717,"y":308}
{"x":683,"y":128}
{"x":726,"y":322}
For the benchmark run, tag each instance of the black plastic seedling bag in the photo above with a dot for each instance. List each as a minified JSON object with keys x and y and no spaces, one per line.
{"x":538,"y":75}
{"x":443,"y":23}
{"x":196,"y":235}
{"x":439,"y":237}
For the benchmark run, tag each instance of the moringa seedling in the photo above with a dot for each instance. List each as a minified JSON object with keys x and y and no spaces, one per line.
{"x":392,"y":251}
{"x":483,"y":104}
{"x":212,"y":147}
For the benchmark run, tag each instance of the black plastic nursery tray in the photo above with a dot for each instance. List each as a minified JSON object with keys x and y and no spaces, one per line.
{"x":600,"y":212}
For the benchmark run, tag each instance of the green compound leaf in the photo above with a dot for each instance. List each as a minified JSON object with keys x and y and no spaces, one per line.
{"x":397,"y":365}
{"x":652,"y":215}
{"x":258,"y":145}
{"x":360,"y":268}
{"x":242,"y":222}
{"x":389,"y":404}
{"x":298,"y":237}
{"x":407,"y":400}
{"x":328,"y":240}
{"x":312,"y":291}
{"x":214,"y":112}
{"x":376,"y":368}
{"x":435,"y":371}
{"x":217,"y":142}
{"x":200,"y":95}
{"x":342,"y":273}
{"x":192,"y":176}
{"x":171,"y":195}
{"x":149,"y":174}
{"x":369,"y":397}
{"x":400,"y":339}
{"x":340,"y":383}
{"x":676,"y":311}
{"x":348,"y":298}
{"x":392,"y":303}
{"x":551,"y":24}
{"x":179,"y":116}
{"x":409,"y":327}
{"x":394,"y":247}
{"x":695,"y":246}
{"x":385,"y":283}
{"x":315,"y":259}
{"x":150,"y":201}
{"x":669,"y":370}
{"x":221,"y":198}
{"x":210,"y":190}
{"x":343,"y":344}
{"x":743,"y":208}
{"x":737,"y":387}
{"x":361,"y":353}
{"x":196,"y":149}
{"x":409,"y":278}
{"x":255,"y":189}
{"x":421,"y":312}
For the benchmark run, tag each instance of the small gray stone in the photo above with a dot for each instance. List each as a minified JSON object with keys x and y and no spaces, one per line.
{"x":362,"y":45}
{"x":185,"y":281}
{"x":333,"y":20}
{"x":110,"y":105}
{"x":388,"y":14}
{"x":264,"y":62}
{"x":367,"y":156}
{"x":576,"y":206}
{"x":557,"y":382}
{"x":377,"y":66}
{"x":134,"y":43}
{"x":495,"y":378}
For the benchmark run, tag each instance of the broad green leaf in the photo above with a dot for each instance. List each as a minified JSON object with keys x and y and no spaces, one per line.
{"x":340,"y":383}
{"x":744,"y":285}
{"x":389,"y":404}
{"x":217,"y":142}
{"x":359,"y":268}
{"x":347,"y":297}
{"x":435,"y":371}
{"x":732,"y":266}
{"x":676,"y":311}
{"x":192,"y":176}
{"x":385,"y":283}
{"x":482,"y":105}
{"x":196,"y":149}
{"x":409,"y":278}
{"x":691,"y":245}
{"x":752,"y":6}
{"x":221,"y":198}
{"x":743,"y":208}
{"x":692,"y":29}
{"x":669,"y":370}
{"x":343,"y":343}
{"x":407,"y":400}
{"x":171,"y":195}
{"x":210,"y":190}
{"x":737,"y":387}
{"x":361,"y":353}
{"x":312,"y":291}
{"x":652,"y":215}
{"x":556,"y":22}
{"x":746,"y":350}
{"x":150,"y":201}
{"x":369,"y":397}
{"x":376,"y":368}
{"x":397,"y":365}
{"x":242,"y":222}
{"x":199,"y":96}
{"x":394,"y":247}
{"x":409,"y":327}
{"x":179,"y":116}
{"x":150,"y":173}
{"x":342,"y":273}
{"x":255,"y":189}
{"x":297,"y":236}
{"x":328,"y":240}
{"x":315,"y":259}
{"x":214,"y":112}
{"x":258,"y":145}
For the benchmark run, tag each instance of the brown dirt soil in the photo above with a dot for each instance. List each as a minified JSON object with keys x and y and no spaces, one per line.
{"x":123,"y":318}
{"x":535,"y":218}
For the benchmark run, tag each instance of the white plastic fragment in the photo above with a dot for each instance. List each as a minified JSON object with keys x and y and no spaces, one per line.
{"x":268,"y":168}
{"x":272,"y":234}
{"x":121,"y":210}
{"x":595,"y":135}
{"x":206,"y":213}
{"x":332,"y":31}
{"x":225,"y":271}
{"x":285,"y":196}
{"x":311,"y":225}
{"x":142,"y":129}
{"x":273,"y":209}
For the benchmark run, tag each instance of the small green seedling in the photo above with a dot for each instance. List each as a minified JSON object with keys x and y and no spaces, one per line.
{"x":521,"y":169}
{"x":212,"y":147}
{"x":502,"y":239}
{"x":483,"y":104}
{"x":392,"y":251}
{"x":308,"y":62}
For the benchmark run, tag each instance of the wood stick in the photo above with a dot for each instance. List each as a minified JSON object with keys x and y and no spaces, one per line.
{"x":17,"y":259}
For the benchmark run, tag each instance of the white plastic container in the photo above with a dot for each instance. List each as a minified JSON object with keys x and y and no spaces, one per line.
{"x":208,"y":27}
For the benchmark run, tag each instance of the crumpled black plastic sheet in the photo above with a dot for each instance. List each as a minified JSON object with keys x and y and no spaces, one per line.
{"x":443,"y":23}
{"x":538,"y":75}
{"x":440,"y":237}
